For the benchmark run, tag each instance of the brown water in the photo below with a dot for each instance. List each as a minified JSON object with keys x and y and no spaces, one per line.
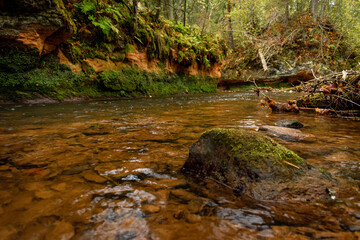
{"x":110,"y":170}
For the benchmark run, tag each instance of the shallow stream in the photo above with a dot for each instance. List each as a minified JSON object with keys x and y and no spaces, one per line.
{"x":110,"y":170}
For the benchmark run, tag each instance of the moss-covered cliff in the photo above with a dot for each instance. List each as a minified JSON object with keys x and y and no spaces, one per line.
{"x":66,"y":48}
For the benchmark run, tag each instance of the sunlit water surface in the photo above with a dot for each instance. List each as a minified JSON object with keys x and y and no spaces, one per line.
{"x":110,"y":170}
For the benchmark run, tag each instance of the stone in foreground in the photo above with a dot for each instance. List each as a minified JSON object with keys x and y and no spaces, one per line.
{"x":251,"y":163}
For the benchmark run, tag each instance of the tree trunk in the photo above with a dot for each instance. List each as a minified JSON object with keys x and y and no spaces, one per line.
{"x":176,"y":10}
{"x":135,"y":12}
{"x":315,"y":9}
{"x":231,"y":37}
{"x":322,"y":8}
{"x":158,"y":8}
{"x":207,"y":18}
{"x":169,"y":9}
{"x":185,"y":12}
{"x":287,"y":14}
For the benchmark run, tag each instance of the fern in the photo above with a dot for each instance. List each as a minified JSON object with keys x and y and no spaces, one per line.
{"x":105,"y":24}
{"x":115,"y":13}
{"x":181,"y":56}
{"x":87,"y":6}
{"x":206,"y":62}
{"x":129,"y":48}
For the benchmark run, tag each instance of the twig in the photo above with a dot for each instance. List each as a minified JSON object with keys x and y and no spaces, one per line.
{"x":108,"y":178}
{"x":259,"y":90}
{"x":291,"y":164}
{"x":312,"y":71}
{"x":347,"y":100}
{"x":213,"y":179}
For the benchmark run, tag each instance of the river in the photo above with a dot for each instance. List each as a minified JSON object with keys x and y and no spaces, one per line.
{"x":110,"y":170}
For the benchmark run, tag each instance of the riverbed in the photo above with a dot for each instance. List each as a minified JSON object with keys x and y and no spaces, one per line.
{"x":111,"y":170}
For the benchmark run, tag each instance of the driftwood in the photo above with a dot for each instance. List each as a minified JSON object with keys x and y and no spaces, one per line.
{"x":336,"y":94}
{"x":339,"y":93}
{"x":290,"y":106}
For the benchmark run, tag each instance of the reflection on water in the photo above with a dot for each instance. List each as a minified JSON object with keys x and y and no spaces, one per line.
{"x":110,"y":170}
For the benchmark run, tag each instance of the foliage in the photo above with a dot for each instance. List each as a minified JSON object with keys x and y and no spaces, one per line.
{"x":101,"y":19}
{"x":301,"y":40}
{"x":18,"y":60}
{"x":57,"y":81}
{"x":131,"y":81}
{"x":50,"y":79}
{"x":162,"y":39}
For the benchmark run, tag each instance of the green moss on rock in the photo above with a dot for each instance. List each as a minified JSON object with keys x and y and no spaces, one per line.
{"x":242,"y":159}
{"x":253,"y":149}
{"x":132,"y":81}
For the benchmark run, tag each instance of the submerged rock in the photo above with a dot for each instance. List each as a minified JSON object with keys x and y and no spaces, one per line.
{"x":253,"y":164}
{"x":289,"y":123}
{"x":286,"y":133}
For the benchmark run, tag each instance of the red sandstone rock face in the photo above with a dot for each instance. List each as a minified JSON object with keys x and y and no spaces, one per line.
{"x":42,"y":26}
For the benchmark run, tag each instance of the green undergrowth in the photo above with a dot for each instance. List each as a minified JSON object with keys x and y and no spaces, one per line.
{"x":49,"y":78}
{"x":106,"y":30}
{"x":299,"y":42}
{"x":131,"y":81}
{"x":56,"y":81}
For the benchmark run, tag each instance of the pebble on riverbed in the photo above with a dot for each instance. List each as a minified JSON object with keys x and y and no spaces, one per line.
{"x":149,"y":209}
{"x":192,"y":218}
{"x":61,"y":187}
{"x":62,"y":231}
{"x":44,"y":194}
{"x":93,"y":177}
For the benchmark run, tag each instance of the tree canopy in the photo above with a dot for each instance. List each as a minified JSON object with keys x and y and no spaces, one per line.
{"x":246,"y":19}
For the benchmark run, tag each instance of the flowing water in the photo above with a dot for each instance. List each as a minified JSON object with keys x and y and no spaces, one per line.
{"x":110,"y":170}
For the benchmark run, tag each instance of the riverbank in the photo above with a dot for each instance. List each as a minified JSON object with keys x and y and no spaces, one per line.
{"x":90,"y":49}
{"x":53,"y":82}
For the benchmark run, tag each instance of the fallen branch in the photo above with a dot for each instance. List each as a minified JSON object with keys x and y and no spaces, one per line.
{"x":263,"y":61}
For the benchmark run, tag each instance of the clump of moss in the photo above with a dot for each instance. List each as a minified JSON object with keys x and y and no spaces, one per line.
{"x":132,"y":81}
{"x":253,"y":147}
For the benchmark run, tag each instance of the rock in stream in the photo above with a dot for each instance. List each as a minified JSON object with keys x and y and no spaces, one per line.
{"x":286,"y":133}
{"x":251,"y":163}
{"x":289,"y":123}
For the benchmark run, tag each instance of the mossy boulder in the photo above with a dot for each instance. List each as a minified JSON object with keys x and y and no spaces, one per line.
{"x":251,"y":163}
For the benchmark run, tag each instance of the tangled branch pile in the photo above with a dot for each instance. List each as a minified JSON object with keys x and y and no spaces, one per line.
{"x":337,"y":93}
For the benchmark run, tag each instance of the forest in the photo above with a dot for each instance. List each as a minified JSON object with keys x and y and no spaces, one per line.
{"x":98,"y":46}
{"x":179,"y":119}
